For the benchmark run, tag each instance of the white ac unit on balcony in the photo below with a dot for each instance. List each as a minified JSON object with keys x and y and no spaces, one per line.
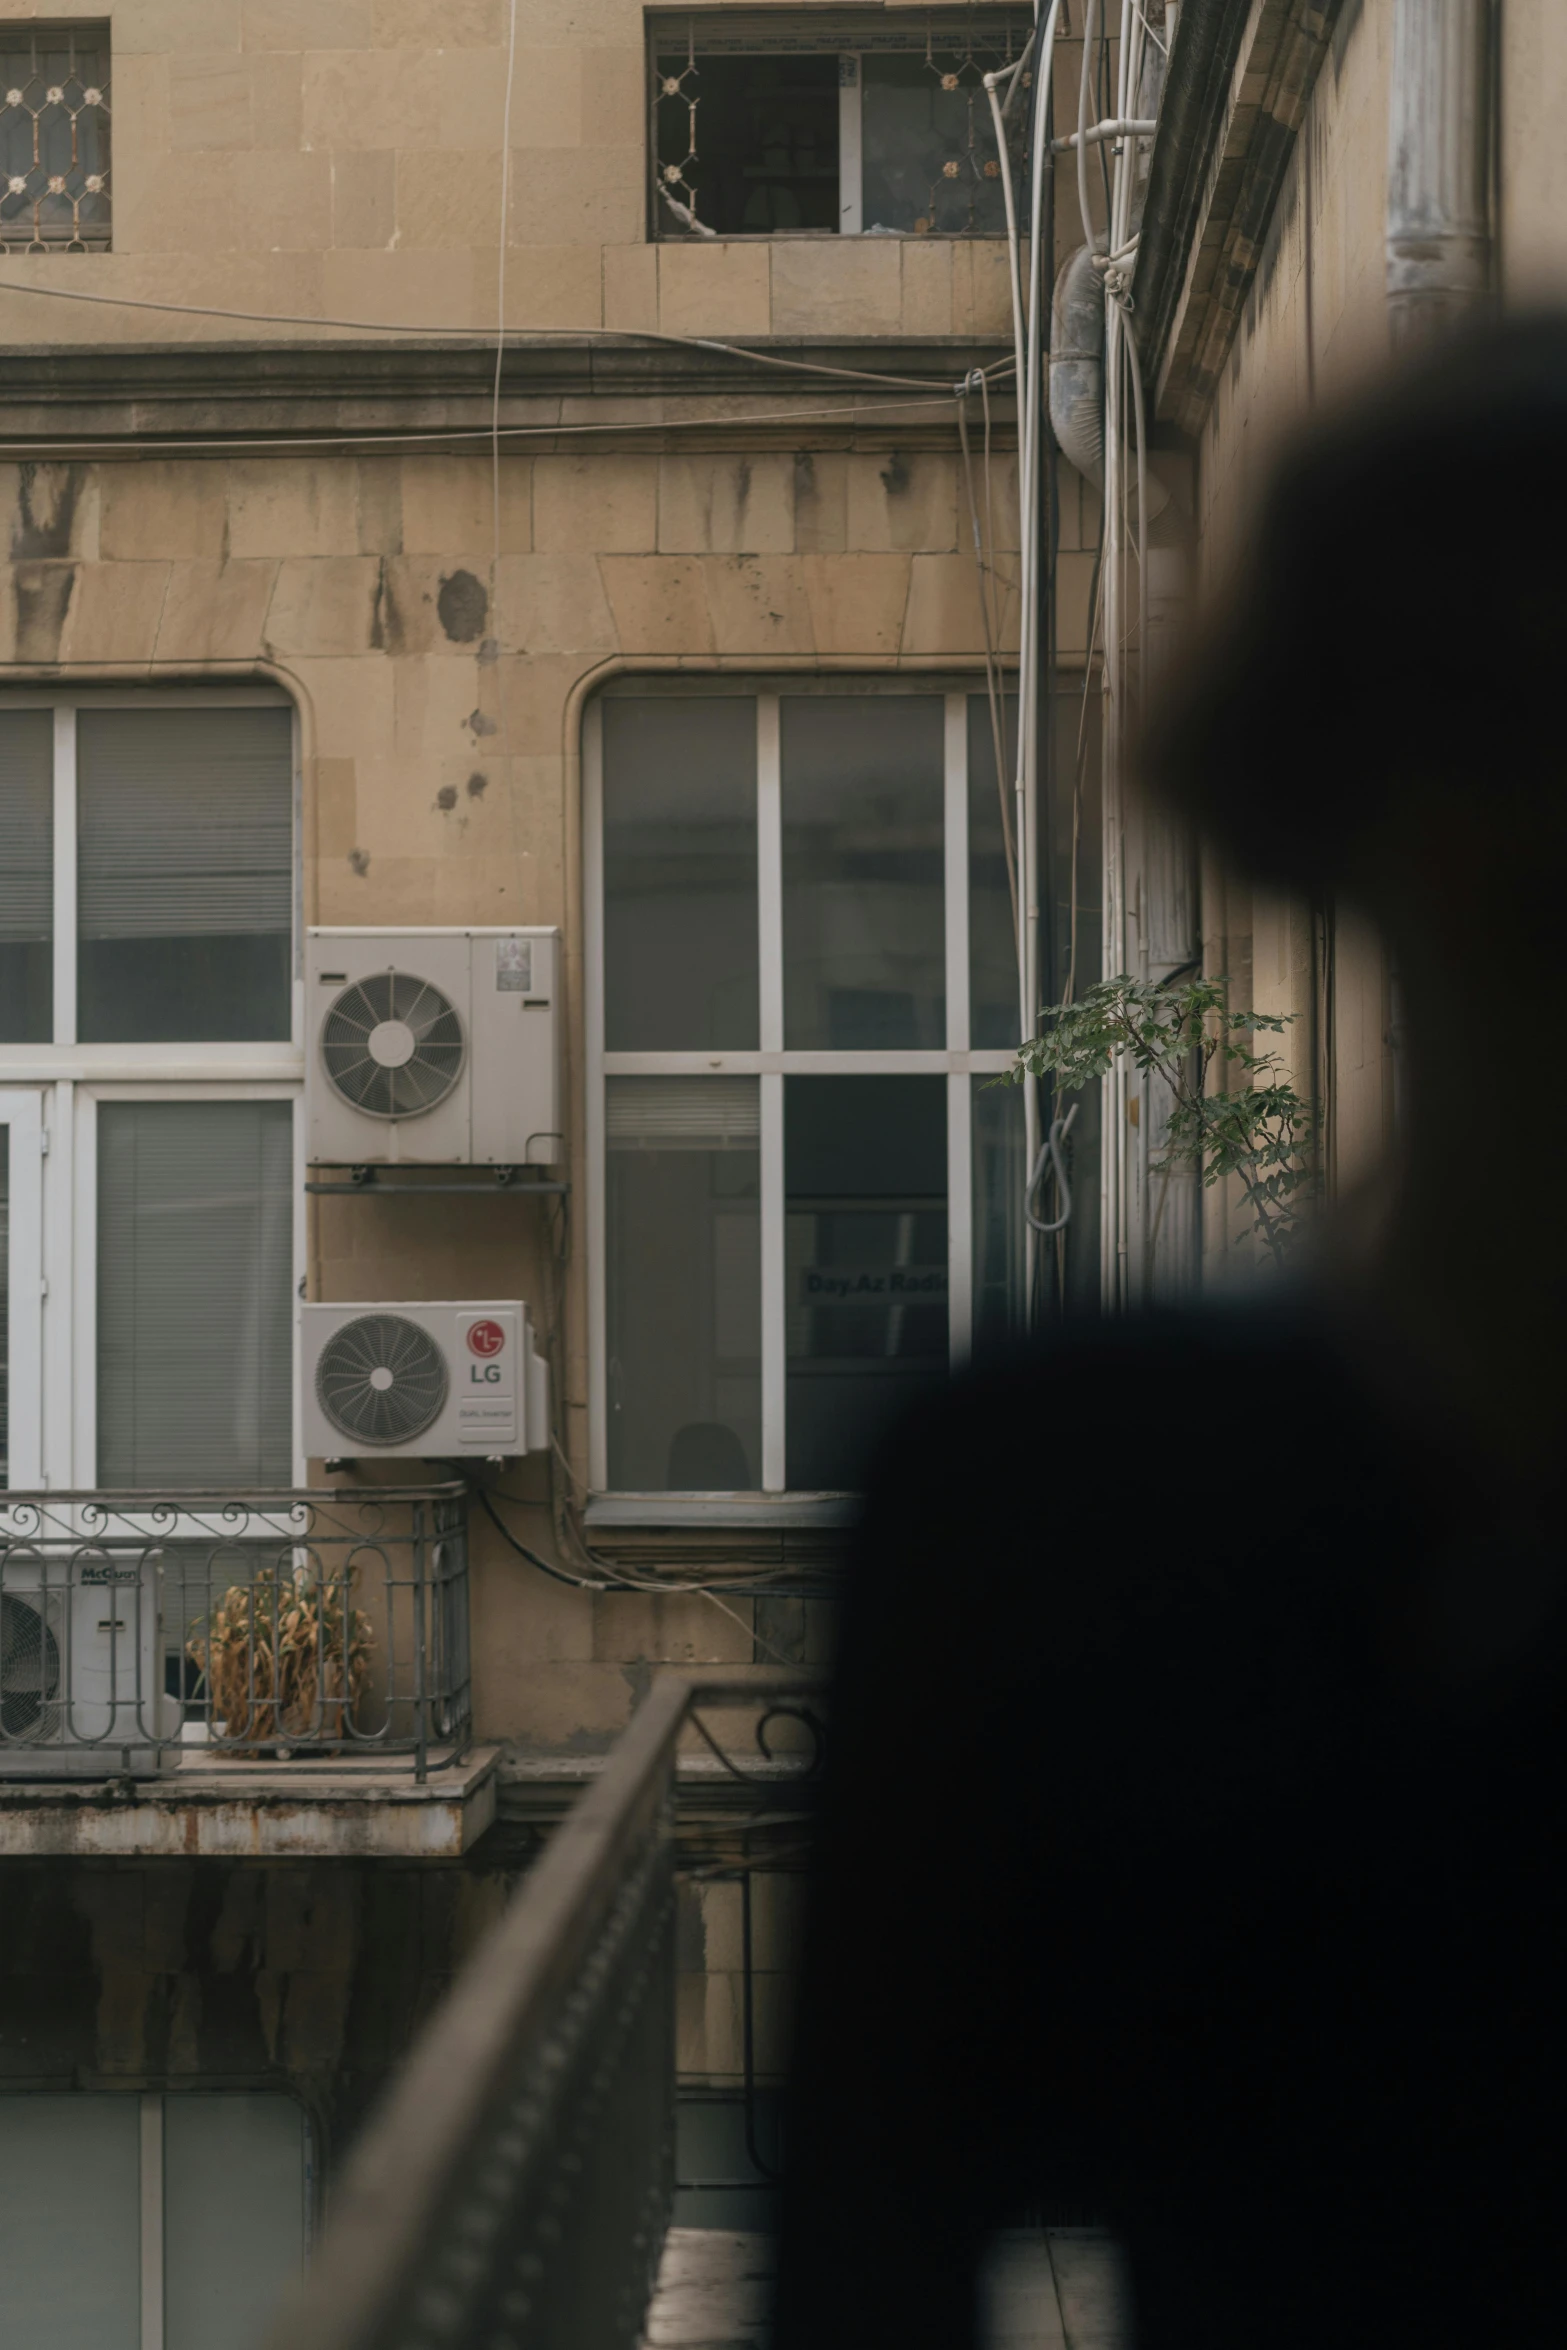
{"x":422,"y":1382}
{"x":433,"y":1047}
{"x":81,"y":1663}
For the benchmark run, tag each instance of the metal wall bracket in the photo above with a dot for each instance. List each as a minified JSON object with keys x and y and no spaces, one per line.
{"x":509,"y":1180}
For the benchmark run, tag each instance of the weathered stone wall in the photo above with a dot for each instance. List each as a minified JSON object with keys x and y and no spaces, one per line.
{"x":440,"y":775}
{"x":316,"y":1978}
{"x":710,"y":1977}
{"x":1533,"y":175}
{"x":1314,"y":324}
{"x":170,"y":1974}
{"x":342,"y":159}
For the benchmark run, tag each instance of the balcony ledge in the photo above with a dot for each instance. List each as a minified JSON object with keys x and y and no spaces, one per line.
{"x":235,"y":1810}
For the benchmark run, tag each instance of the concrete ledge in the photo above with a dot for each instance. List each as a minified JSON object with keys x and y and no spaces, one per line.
{"x":728,"y":1511}
{"x":237,"y":1811}
{"x":231,"y":392}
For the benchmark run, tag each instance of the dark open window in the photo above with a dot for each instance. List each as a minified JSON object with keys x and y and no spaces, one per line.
{"x":823,"y":126}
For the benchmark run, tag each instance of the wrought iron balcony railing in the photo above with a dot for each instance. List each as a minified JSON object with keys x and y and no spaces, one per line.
{"x":142,"y":1630}
{"x":516,"y":2186}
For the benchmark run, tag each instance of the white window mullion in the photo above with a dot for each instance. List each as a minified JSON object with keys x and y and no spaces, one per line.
{"x":152,"y":2222}
{"x":851,"y":202}
{"x":957,"y":877}
{"x":84,"y":1294}
{"x":59,"y":1330}
{"x":65,"y":875}
{"x":775,"y":1366}
{"x":23,"y":1335}
{"x":299,"y":1274}
{"x":593,"y":1052}
{"x":960,"y":1219}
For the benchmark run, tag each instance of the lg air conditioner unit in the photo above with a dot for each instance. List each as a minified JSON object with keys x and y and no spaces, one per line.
{"x":81,"y":1662}
{"x":424,"y":1382}
{"x":433,"y":1047}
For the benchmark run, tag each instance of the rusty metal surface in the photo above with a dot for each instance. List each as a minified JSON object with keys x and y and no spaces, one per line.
{"x":142,"y":1629}
{"x":245,"y":1814}
{"x":518,"y":2183}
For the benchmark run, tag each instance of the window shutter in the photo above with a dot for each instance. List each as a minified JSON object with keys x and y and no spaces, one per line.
{"x":195,"y":1263}
{"x":683,"y":1113}
{"x":185,"y":822}
{"x":26,"y":826}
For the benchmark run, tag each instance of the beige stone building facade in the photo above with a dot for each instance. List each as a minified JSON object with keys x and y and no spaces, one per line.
{"x":320,"y":615}
{"x":547,"y":479}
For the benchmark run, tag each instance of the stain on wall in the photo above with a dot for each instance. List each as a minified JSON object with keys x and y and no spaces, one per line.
{"x":169,"y":1974}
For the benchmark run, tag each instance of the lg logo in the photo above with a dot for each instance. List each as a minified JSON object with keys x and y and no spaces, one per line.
{"x":485,"y":1339}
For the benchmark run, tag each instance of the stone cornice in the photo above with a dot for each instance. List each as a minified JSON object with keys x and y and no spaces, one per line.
{"x":64,"y":395}
{"x":1239,"y":80}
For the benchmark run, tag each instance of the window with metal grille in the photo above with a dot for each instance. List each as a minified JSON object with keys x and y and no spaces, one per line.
{"x":54,"y":138}
{"x":766,"y":125}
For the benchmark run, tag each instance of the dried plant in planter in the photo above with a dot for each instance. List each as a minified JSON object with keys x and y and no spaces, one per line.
{"x":284,"y":1657}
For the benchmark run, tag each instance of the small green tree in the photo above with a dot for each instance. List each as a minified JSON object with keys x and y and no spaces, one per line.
{"x":1260,"y":1131}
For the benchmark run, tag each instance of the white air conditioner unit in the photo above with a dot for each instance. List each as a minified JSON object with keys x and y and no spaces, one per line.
{"x":81,"y":1663}
{"x":422,"y":1382}
{"x":433,"y":1047}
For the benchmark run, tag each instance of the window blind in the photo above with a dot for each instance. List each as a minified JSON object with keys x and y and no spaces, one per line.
{"x":185,"y":822}
{"x":682,"y":1113}
{"x":26,"y":826}
{"x":5,"y":1304}
{"x":195,"y":1264}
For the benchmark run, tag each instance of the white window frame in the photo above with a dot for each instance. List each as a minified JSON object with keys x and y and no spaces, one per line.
{"x":21,"y":1113}
{"x":58,"y":1267}
{"x":770,"y":1063}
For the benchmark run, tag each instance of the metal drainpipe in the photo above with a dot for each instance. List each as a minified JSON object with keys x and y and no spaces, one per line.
{"x":1438,"y":225}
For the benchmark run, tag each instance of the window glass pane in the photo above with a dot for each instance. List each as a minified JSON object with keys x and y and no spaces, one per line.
{"x":5,"y":1305}
{"x":760,"y":152}
{"x":866,"y":1244}
{"x":195,"y":1265}
{"x":70,"y":2221}
{"x":994,"y":1012}
{"x":233,"y":2215}
{"x":185,"y":864}
{"x":863,"y":916}
{"x":679,"y":874}
{"x":929,"y":151}
{"x":685,"y":1284}
{"x":997,"y":1129}
{"x":26,"y":876}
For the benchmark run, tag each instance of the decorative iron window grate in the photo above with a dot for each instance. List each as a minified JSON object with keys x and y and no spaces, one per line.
{"x":54,"y":139}
{"x":816,"y":126}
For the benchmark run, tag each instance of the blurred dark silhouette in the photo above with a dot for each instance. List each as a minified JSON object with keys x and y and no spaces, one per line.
{"x":1196,"y":1846}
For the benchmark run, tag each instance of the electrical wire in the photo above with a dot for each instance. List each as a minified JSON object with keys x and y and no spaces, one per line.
{"x":521,"y":336}
{"x":238,"y":444}
{"x":618,"y":1582}
{"x":1091,"y":12}
{"x":504,"y":242}
{"x":556,"y":1574}
{"x":991,"y":632}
